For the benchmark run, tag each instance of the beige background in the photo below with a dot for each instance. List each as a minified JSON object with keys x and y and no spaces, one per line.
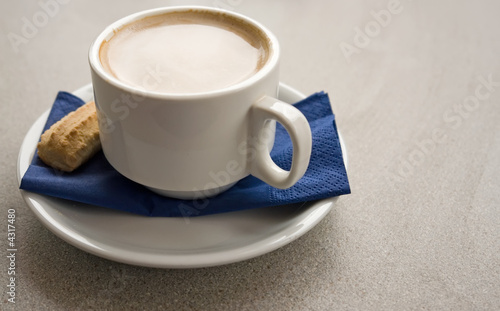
{"x":422,"y":128}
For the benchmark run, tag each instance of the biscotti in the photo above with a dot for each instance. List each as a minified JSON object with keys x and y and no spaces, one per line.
{"x":72,"y":140}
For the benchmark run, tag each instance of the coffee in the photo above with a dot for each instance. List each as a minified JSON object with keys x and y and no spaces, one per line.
{"x":185,"y":52}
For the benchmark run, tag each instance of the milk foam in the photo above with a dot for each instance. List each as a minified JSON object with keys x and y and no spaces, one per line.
{"x":185,"y":57}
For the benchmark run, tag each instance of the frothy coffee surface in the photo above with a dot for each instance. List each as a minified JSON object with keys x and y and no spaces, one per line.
{"x":185,"y":52}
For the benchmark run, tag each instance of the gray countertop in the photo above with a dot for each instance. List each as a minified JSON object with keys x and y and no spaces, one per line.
{"x":415,"y":86}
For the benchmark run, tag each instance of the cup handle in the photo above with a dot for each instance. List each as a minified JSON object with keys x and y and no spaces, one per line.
{"x":263,"y":167}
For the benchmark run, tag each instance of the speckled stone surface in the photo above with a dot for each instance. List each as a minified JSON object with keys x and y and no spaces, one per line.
{"x":421,"y":122}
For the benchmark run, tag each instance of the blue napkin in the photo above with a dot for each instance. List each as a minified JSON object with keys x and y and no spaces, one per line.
{"x":97,"y":183}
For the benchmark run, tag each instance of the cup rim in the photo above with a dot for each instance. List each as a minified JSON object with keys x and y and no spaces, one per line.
{"x":108,"y":32}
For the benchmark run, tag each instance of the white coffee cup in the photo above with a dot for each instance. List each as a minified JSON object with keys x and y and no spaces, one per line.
{"x":199,"y":144}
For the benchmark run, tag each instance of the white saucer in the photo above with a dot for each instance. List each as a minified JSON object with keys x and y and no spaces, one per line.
{"x":170,"y":242}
